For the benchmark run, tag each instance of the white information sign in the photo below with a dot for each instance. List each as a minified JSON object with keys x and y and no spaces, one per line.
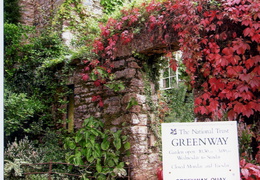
{"x":200,"y":151}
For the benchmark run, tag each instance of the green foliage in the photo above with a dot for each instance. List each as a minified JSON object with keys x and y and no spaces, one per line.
{"x":18,"y":110}
{"x":180,"y":104}
{"x":52,"y":147}
{"x":94,"y":146}
{"x":115,"y":85}
{"x":111,"y":5}
{"x":245,"y":136}
{"x":25,"y":52}
{"x":38,"y":177}
{"x":12,"y":11}
{"x":14,"y":47}
{"x":79,"y":21}
{"x":31,"y":79}
{"x":131,"y":103}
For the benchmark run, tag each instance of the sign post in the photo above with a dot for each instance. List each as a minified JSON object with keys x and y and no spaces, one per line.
{"x":200,"y":151}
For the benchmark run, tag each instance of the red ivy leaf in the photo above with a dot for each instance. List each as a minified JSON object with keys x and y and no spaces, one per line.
{"x":216,"y":84}
{"x":240,"y":46}
{"x":254,"y":105}
{"x":206,"y":95}
{"x":228,"y":51}
{"x":242,"y":88}
{"x":222,"y":61}
{"x":201,"y":110}
{"x":239,"y":107}
{"x":173,"y":64}
{"x":256,"y":37}
{"x":247,"y":95}
{"x":225,"y":93}
{"x":85,"y":77}
{"x":254,"y":82}
{"x":198,"y":101}
{"x":97,"y":83}
{"x":101,"y":104}
{"x":234,"y":70}
{"x":249,"y":63}
{"x":249,"y":32}
{"x":232,"y":114}
{"x":213,"y":105}
{"x":248,"y":112}
{"x":245,"y":77}
{"x":96,"y":98}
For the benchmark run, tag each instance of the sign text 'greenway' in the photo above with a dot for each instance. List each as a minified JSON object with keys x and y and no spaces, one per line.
{"x":207,"y":150}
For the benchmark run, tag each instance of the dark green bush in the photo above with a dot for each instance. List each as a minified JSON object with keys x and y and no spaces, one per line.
{"x":19,"y":109}
{"x":180,"y":103}
{"x":31,"y":78}
{"x":12,"y":11}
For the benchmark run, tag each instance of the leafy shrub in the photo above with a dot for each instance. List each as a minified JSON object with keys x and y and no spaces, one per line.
{"x":30,"y":71}
{"x":18,"y":110}
{"x":245,"y":135}
{"x":12,"y":11}
{"x":179,"y":105}
{"x":51,"y":146}
{"x":111,"y":5}
{"x":25,"y":52}
{"x":92,"y":145}
{"x":14,"y":48}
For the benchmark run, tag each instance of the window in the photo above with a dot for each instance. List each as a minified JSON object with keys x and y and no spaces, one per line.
{"x":169,"y":78}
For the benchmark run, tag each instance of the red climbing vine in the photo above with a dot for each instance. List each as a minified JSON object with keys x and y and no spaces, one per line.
{"x":220,"y":41}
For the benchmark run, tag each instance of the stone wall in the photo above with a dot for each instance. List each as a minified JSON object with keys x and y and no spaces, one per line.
{"x":136,"y":121}
{"x":38,"y":12}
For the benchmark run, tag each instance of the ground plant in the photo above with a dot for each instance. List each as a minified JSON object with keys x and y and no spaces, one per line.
{"x":99,"y":149}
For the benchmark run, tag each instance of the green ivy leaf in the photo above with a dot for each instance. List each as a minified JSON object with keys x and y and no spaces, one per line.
{"x":88,"y":153}
{"x":98,"y":167}
{"x":90,"y":159}
{"x":120,"y":165}
{"x":98,"y":150}
{"x":124,"y":138}
{"x":72,"y":145}
{"x":131,"y":103}
{"x":117,"y":143}
{"x":105,"y":144}
{"x":101,"y":177}
{"x":78,"y":137}
{"x":78,"y":159}
{"x":127,"y":145}
{"x":86,"y":136}
{"x":88,"y":144}
{"x":110,"y":163}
